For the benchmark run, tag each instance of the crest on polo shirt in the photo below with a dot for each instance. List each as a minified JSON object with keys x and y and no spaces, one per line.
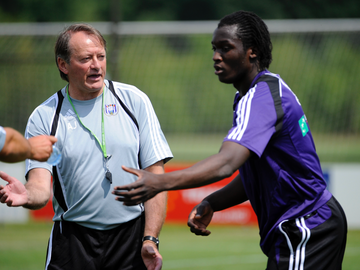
{"x":111,"y":109}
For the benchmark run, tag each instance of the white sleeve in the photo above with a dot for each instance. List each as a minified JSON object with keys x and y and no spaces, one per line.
{"x":153,"y":144}
{"x":39,"y":123}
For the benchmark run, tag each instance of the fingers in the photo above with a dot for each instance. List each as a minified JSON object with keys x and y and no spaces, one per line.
{"x":40,"y":147}
{"x":131,"y":186}
{"x":130,"y":201}
{"x":52,"y":139}
{"x":200,"y":218}
{"x":133,"y":194}
{"x":197,"y":227}
{"x":131,"y":170}
{"x":149,"y":249}
{"x":202,"y":232}
{"x":132,"y":197}
{"x":4,"y":198}
{"x":137,"y":192}
{"x":6,"y":177}
{"x":197,"y":213}
{"x":151,"y":256}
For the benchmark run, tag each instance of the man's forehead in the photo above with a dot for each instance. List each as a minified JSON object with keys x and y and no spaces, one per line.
{"x":225,"y":33}
{"x":79,"y":39}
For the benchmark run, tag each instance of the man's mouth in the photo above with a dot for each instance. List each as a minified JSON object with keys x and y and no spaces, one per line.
{"x":94,"y":76}
{"x":218,"y":69}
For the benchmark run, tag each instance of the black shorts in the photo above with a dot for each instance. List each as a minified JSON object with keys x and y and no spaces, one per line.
{"x":72,"y":246}
{"x":321,"y":247}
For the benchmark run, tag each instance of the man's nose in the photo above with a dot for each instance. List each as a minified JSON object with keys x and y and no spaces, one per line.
{"x":95,"y":63}
{"x":216,"y":56}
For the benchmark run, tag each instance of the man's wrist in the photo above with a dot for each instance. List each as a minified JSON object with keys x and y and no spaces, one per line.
{"x":209,"y":202}
{"x":151,"y":238}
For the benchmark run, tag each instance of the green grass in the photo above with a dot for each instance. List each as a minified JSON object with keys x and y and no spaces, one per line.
{"x":23,"y":246}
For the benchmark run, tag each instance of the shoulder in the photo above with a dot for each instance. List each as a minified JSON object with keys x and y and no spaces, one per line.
{"x":47,"y":108}
{"x":276,"y":86}
{"x":274,"y":82}
{"x":130,"y":94}
{"x":127,"y":89}
{"x":265,"y":86}
{"x":269,"y":80}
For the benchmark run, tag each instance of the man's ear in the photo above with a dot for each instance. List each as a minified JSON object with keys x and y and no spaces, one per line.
{"x":253,"y":53}
{"x":62,"y":65}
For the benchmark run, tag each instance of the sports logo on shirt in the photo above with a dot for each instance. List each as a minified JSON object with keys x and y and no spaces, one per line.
{"x":111,"y":109}
{"x":303,"y":125}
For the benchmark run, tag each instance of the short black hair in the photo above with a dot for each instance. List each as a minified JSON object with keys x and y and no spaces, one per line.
{"x":253,"y":32}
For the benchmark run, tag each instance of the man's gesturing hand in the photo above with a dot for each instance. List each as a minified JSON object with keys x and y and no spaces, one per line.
{"x":146,"y":187}
{"x":14,"y":193}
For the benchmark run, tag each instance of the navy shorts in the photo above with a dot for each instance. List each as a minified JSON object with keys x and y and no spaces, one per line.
{"x":72,"y":246}
{"x":304,"y":243}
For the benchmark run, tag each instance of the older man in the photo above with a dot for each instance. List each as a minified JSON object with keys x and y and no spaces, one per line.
{"x":100,"y":125}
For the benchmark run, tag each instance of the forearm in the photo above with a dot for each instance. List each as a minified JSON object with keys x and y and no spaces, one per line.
{"x":155,"y":208}
{"x":230,"y":195}
{"x":210,"y":170}
{"x":37,"y":197}
{"x":219,"y":166}
{"x":155,"y":213}
{"x":38,"y":189}
{"x":205,"y":172}
{"x":16,"y":147}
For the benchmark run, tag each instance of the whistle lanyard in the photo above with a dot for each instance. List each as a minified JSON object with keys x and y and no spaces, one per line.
{"x":102,"y":143}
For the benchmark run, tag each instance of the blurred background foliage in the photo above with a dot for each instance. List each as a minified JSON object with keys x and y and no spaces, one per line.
{"x":163,"y":10}
{"x":176,"y":72}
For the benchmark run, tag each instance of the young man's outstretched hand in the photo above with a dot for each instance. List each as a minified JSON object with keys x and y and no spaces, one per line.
{"x":137,"y":192}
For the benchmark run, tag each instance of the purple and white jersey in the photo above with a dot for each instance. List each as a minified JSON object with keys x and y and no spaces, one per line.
{"x":283,"y":178}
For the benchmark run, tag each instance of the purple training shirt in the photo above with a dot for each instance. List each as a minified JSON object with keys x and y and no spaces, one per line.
{"x":283,"y":178}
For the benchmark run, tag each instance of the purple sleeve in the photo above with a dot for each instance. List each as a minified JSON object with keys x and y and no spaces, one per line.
{"x":254,"y":119}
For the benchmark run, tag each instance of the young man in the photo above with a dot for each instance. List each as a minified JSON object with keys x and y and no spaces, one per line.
{"x":14,"y":147}
{"x":302,"y":226}
{"x":99,"y":125}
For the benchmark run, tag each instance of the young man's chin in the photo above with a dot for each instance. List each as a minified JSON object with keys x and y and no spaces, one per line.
{"x":224,"y":80}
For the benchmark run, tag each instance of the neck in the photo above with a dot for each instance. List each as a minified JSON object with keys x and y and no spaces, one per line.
{"x":83,"y":94}
{"x":244,"y":85}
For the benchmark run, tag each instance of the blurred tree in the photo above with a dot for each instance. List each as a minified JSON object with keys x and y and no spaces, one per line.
{"x":162,"y":10}
{"x":54,"y":10}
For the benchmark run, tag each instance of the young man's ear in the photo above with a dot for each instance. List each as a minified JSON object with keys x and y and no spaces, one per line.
{"x":253,"y":53}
